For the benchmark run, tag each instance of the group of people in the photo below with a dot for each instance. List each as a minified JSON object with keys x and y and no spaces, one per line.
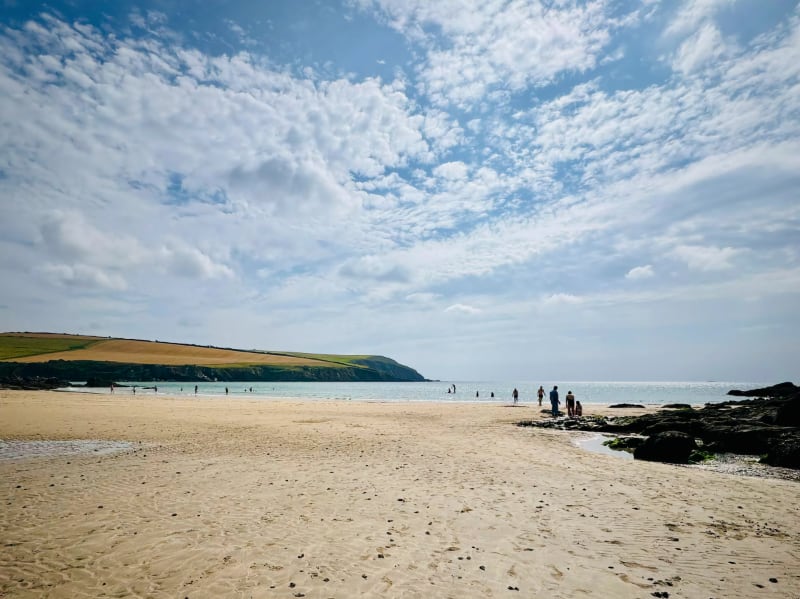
{"x":574,"y":407}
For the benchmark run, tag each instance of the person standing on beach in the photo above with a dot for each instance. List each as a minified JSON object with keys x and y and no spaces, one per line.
{"x":540,"y":394}
{"x":570,"y":404}
{"x":554,"y":401}
{"x":578,"y":409}
{"x":515,"y":395}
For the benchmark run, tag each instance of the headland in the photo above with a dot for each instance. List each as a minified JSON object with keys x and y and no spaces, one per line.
{"x":45,"y":360}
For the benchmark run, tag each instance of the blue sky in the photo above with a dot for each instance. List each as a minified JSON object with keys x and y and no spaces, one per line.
{"x":530,"y":190}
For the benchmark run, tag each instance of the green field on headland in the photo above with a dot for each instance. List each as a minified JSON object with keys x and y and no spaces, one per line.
{"x":78,"y":357}
{"x":13,"y":347}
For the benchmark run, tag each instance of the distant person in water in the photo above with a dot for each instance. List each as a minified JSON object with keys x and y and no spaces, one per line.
{"x":492,"y":394}
{"x":578,"y":409}
{"x":195,"y":389}
{"x":477,"y":394}
{"x":554,"y":401}
{"x":448,"y":390}
{"x":515,"y":395}
{"x":226,"y":390}
{"x":155,"y":389}
{"x":112,"y":387}
{"x":570,"y":404}
{"x":134,"y":389}
{"x":540,"y":394}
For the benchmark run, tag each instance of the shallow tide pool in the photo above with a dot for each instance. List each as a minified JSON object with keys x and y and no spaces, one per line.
{"x":19,"y":450}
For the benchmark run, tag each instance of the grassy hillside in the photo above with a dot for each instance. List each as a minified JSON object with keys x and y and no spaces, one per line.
{"x":17,"y":346}
{"x":33,"y":347}
{"x":79,"y":357}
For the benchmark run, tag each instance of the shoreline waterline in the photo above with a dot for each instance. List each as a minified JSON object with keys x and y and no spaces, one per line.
{"x":591,"y":393}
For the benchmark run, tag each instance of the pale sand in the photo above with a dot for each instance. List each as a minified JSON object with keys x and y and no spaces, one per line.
{"x":241,"y":498}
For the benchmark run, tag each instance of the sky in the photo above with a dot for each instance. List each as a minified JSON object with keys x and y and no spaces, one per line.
{"x":532,"y":190}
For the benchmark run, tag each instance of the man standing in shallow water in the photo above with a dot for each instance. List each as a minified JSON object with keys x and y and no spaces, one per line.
{"x":554,"y":401}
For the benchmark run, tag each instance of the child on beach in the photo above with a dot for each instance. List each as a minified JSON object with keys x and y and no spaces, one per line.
{"x":540,"y":394}
{"x":578,"y":409}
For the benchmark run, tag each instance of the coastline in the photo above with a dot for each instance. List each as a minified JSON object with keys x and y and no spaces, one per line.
{"x":246,"y":497}
{"x":594,"y":393}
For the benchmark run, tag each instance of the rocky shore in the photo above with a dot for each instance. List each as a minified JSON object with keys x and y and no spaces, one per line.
{"x":35,"y":383}
{"x":768,"y":426}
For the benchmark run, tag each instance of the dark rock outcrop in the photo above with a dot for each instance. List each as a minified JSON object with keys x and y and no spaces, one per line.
{"x":769,"y":427}
{"x":101,"y":382}
{"x":779,"y":390}
{"x":626,"y":405}
{"x":32,"y":383}
{"x":788,"y":413}
{"x":667,"y":446}
{"x":783,"y":451}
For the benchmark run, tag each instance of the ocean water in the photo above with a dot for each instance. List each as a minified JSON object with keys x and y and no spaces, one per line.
{"x":648,"y":393}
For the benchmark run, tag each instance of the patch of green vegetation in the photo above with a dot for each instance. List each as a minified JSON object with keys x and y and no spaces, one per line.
{"x":699,"y":455}
{"x":13,"y":347}
{"x":240,"y":365}
{"x":333,"y":359}
{"x":623,"y":443}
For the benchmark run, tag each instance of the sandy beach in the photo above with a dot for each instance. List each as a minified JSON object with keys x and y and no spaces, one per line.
{"x":246,"y":498}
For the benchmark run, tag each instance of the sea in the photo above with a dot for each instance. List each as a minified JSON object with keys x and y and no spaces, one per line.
{"x":605,"y":392}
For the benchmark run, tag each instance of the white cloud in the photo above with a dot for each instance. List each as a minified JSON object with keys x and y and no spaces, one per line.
{"x":183,"y":260}
{"x":699,"y":49}
{"x":693,"y":13}
{"x":377,"y":268}
{"x":640,"y":272}
{"x":84,"y":276}
{"x":422,"y":297}
{"x":462,"y":309}
{"x":451,"y":170}
{"x":561,"y":299}
{"x":475,"y":46}
{"x":706,"y":258}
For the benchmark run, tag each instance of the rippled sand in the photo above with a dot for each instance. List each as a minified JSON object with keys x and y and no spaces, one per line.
{"x":240,"y":498}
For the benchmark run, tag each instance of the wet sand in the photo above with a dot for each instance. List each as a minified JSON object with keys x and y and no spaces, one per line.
{"x":245,"y":498}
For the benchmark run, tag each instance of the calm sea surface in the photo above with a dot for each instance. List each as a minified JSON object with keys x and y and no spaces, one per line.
{"x":586,"y":392}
